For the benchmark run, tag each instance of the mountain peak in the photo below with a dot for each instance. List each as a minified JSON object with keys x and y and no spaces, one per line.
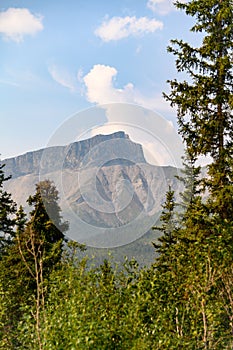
{"x":114,"y":135}
{"x":74,"y":155}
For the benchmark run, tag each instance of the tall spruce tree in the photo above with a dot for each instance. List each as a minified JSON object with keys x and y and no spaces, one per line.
{"x":190,"y":177}
{"x":169,"y":232}
{"x":192,"y":210}
{"x":204,"y":102}
{"x":7,"y":212}
{"x":46,"y":222}
{"x":204,"y":248}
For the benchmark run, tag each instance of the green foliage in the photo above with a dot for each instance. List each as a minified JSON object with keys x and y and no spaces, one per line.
{"x":36,"y":239}
{"x":46,"y":219}
{"x":191,"y":179}
{"x":168,"y":228}
{"x":194,"y":311}
{"x":86,"y":309}
{"x":35,"y":251}
{"x":185,"y":299}
{"x":204,"y":103}
{"x":7,"y":211}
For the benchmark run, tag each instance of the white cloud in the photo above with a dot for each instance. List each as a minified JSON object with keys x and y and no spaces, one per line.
{"x":161,"y":144}
{"x":15,"y":23}
{"x":162,"y":7}
{"x":99,"y":84}
{"x":122,"y":106}
{"x":100,"y":89}
{"x":62,"y":77}
{"x":118,"y":28}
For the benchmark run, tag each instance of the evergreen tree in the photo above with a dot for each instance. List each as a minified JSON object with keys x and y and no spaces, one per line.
{"x":192,"y":213}
{"x":21,"y":220}
{"x":169,"y":232}
{"x":191,"y":179}
{"x":12,"y":278}
{"x":7,"y":212}
{"x":46,"y":220}
{"x":204,"y":102}
{"x":204,"y":106}
{"x":205,"y":246}
{"x":35,"y":251}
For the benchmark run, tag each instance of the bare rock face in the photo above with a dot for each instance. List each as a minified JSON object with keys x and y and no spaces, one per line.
{"x":104,"y":181}
{"x":71,"y":156}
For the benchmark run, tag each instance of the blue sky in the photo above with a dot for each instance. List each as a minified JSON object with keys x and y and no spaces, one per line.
{"x":59,"y":57}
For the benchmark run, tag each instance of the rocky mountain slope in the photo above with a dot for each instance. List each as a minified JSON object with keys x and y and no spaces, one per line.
{"x":108,"y":192}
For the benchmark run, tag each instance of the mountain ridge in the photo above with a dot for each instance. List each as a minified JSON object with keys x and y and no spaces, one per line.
{"x":94,"y":177}
{"x":71,"y":155}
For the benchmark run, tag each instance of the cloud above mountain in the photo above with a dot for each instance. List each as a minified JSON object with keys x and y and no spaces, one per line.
{"x":16,"y":23}
{"x":100,"y":89}
{"x":117,"y":28}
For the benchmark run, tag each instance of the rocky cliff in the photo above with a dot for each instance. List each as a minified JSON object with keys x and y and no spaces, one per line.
{"x":71,"y":156}
{"x":108,"y":192}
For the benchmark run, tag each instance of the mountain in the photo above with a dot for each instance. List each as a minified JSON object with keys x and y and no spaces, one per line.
{"x":72,"y":156}
{"x":108,"y":192}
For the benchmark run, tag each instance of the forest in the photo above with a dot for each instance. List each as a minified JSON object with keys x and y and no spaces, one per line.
{"x":53,"y":297}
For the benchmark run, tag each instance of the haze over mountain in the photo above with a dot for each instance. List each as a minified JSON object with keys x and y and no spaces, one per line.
{"x":108,"y":192}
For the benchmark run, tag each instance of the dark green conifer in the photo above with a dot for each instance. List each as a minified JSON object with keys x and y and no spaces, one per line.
{"x":204,"y":101}
{"x":7,"y":212}
{"x":169,"y":231}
